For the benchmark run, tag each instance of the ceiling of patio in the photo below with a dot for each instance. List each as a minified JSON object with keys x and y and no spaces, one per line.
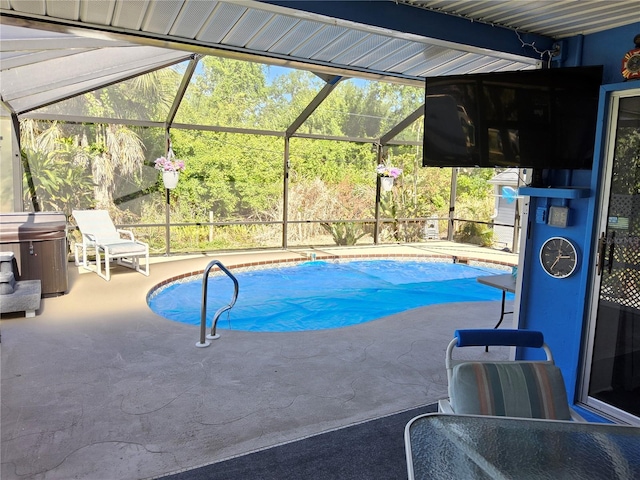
{"x":52,"y":50}
{"x":556,"y":19}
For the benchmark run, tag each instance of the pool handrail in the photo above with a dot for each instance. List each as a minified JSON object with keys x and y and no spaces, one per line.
{"x":203,"y":309}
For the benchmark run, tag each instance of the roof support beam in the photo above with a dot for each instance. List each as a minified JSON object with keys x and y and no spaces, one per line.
{"x":415,"y":115}
{"x":315,"y":103}
{"x":186,"y":79}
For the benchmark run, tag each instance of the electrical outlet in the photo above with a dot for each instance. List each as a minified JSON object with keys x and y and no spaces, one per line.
{"x":541,"y":215}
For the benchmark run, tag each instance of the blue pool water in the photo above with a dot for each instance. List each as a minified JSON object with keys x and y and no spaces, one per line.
{"x":320,"y":295}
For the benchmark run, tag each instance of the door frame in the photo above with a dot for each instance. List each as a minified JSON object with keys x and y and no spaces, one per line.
{"x":613,"y":95}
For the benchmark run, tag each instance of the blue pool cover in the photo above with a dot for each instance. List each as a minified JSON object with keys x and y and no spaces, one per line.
{"x":319,"y":295}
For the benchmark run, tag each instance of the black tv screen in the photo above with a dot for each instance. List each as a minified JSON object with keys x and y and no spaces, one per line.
{"x":542,"y":119}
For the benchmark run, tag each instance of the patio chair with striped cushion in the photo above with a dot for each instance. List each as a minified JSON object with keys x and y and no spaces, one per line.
{"x":529,"y":389}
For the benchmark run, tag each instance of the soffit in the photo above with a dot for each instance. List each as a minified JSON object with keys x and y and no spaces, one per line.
{"x":556,"y":18}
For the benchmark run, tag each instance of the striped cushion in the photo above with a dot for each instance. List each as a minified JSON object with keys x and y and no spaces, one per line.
{"x":516,"y":389}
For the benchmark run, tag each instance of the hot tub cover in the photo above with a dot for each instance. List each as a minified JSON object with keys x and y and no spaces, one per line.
{"x":38,"y":226}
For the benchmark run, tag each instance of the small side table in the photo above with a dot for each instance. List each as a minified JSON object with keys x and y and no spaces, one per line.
{"x":505,"y":282}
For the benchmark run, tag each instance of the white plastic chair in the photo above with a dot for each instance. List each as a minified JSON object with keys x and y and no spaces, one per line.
{"x":100,"y":235}
{"x":529,"y":389}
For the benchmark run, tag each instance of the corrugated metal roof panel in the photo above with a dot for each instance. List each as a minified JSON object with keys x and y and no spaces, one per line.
{"x":191,"y":18}
{"x":353,"y":55}
{"x":220,"y":23}
{"x":247,"y":27}
{"x":392,"y":62}
{"x":300,"y":32}
{"x":557,"y":18}
{"x":160,"y":16}
{"x":343,"y":43}
{"x":273,"y":31}
{"x":98,"y":12}
{"x":127,"y":15}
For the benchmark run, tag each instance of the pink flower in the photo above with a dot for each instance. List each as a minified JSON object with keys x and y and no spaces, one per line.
{"x":385,"y":171}
{"x":170,"y":164}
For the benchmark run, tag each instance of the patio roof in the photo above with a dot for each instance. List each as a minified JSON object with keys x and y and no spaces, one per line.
{"x":557,"y":19}
{"x":56,"y":50}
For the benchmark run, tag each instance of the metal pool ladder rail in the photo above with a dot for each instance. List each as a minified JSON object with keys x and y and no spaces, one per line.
{"x":203,"y":312}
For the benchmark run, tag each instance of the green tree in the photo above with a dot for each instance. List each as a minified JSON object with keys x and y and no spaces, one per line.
{"x":54,"y":175}
{"x":112,"y":154}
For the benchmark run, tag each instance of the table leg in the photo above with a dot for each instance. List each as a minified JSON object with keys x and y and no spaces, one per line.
{"x":502,"y":314}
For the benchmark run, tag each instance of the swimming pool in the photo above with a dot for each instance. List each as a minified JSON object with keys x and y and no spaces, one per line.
{"x":320,"y":295}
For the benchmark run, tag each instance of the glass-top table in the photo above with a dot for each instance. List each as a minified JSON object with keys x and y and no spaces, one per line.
{"x":440,"y":446}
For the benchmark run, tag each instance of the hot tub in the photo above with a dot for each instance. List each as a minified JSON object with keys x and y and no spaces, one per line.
{"x":39,"y":243}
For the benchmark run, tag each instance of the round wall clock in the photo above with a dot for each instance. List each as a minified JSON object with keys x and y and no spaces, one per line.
{"x":558,"y":257}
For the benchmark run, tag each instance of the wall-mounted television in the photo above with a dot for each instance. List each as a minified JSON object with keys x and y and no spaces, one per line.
{"x":541,"y":119}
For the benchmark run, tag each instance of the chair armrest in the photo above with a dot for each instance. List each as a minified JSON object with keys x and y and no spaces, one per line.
{"x":444,"y":406}
{"x":492,"y":337}
{"x":128,"y":233}
{"x":575,"y":416}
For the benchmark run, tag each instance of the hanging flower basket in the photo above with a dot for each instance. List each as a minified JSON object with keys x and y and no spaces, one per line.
{"x":170,"y":179}
{"x":386,"y":183}
{"x":387,"y":175}
{"x":170,"y":167}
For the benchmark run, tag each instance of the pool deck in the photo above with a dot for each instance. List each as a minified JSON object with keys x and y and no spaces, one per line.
{"x":97,"y":386}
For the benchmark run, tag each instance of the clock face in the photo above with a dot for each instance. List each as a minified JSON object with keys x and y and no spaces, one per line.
{"x":631,"y":64}
{"x":558,"y":257}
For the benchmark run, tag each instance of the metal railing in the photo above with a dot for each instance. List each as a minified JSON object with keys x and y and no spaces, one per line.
{"x":203,"y":311}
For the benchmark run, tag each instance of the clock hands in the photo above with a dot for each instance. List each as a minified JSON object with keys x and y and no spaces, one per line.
{"x":558,"y":258}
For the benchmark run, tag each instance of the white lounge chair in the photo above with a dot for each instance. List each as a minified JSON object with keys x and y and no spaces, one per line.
{"x":529,"y":389}
{"x":100,"y":235}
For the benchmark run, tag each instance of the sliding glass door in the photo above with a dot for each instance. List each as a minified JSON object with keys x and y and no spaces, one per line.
{"x":612,"y":383}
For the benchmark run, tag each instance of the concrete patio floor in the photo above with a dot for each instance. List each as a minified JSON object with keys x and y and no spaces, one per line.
{"x":97,"y":386}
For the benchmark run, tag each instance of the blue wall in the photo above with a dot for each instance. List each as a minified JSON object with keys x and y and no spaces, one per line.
{"x":558,"y":307}
{"x":603,"y":48}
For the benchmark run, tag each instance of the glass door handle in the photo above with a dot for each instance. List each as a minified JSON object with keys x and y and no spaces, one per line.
{"x":602,"y":245}
{"x":612,"y":247}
